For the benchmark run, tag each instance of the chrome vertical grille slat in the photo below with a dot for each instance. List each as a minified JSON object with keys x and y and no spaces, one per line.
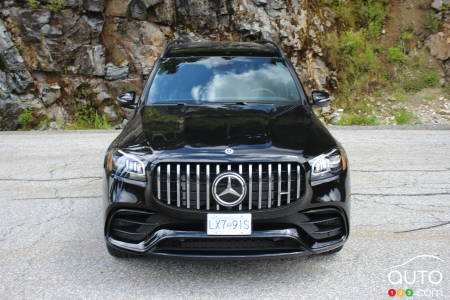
{"x":250,"y":186}
{"x":178,"y":186}
{"x":168,"y":184}
{"x":197,"y":176}
{"x":240,"y":172}
{"x":279,"y":185}
{"x":269,"y":184}
{"x":289,"y":185}
{"x":259,"y":186}
{"x":298,"y":181}
{"x":158,"y":178}
{"x":269,"y":201}
{"x":207,"y":188}
{"x":188,"y":185}
{"x":217,"y":173}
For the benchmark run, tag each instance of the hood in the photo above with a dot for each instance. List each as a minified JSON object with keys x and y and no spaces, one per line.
{"x":258,"y":126}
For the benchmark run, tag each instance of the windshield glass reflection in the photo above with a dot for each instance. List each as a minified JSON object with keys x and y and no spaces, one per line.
{"x":223,"y":79}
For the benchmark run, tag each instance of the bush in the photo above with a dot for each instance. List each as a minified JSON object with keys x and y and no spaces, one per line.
{"x":396,"y":55}
{"x":432,"y":22}
{"x":34,"y":3}
{"x":355,"y":119}
{"x":88,"y":118}
{"x":26,"y":117}
{"x":403,"y":117}
{"x":56,"y":5}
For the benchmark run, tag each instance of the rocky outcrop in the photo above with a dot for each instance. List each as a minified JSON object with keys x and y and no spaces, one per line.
{"x":91,"y":50}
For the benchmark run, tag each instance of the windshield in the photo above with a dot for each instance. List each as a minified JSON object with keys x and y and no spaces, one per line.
{"x":223,"y":79}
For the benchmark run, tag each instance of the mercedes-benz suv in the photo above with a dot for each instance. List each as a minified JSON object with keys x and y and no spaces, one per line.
{"x":225,"y":158}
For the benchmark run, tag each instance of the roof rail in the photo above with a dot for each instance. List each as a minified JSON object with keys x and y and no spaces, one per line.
{"x":169,"y":46}
{"x":279,"y":50}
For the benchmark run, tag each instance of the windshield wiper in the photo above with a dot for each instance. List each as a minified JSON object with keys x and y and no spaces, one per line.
{"x":229,"y":102}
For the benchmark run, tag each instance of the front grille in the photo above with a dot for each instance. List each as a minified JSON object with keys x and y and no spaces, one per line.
{"x":188,"y":185}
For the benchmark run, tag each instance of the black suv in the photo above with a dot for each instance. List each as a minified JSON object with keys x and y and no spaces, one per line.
{"x":224,"y":158}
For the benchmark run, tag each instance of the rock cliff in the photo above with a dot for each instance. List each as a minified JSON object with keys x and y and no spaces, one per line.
{"x":54,"y":60}
{"x":58,"y":57}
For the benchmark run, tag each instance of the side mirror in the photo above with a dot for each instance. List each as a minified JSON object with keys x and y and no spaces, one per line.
{"x":320,"y":98}
{"x":127,"y":100}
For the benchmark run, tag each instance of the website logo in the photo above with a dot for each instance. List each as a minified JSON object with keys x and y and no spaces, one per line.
{"x":420,"y":276}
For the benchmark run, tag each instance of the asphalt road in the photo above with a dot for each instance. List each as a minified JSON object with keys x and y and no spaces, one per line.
{"x":51,"y":243}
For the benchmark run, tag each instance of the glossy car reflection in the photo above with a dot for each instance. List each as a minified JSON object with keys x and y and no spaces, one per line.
{"x":215,"y":108}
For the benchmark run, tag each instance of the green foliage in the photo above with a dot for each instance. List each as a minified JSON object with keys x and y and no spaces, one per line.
{"x":369,"y":14}
{"x":432,"y":22}
{"x":365,"y":67}
{"x":403,"y":117}
{"x":97,"y":121}
{"x":358,"y":119}
{"x":396,"y":55}
{"x":414,"y":75}
{"x":34,"y":3}
{"x":26,"y":117}
{"x":42,"y":123}
{"x":56,"y":5}
{"x":86,"y":115}
{"x":88,"y":118}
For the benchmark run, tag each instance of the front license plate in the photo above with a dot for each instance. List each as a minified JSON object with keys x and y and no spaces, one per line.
{"x":229,"y":224}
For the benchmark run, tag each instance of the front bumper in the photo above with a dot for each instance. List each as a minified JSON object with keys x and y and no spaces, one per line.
{"x":309,"y":232}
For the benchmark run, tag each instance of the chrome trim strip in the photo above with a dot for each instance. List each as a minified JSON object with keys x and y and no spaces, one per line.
{"x":240,"y":172}
{"x":197,"y":175}
{"x":158,"y":181}
{"x":250,"y":186}
{"x":289,"y":184}
{"x":279,"y":184}
{"x":207,"y":187}
{"x":269,"y":196}
{"x":178,"y":186}
{"x":217,"y":172}
{"x":168,"y":184}
{"x":260,"y":186}
{"x":188,"y":186}
{"x":298,"y":181}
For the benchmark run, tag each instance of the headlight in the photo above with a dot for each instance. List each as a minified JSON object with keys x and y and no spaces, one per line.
{"x":127,"y":165}
{"x":326,"y":167}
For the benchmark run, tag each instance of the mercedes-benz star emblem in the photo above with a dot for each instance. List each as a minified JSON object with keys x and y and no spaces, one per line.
{"x":229,"y":151}
{"x":229,"y":189}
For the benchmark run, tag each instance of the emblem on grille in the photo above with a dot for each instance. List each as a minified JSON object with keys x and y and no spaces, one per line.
{"x":229,"y":189}
{"x":229,"y":151}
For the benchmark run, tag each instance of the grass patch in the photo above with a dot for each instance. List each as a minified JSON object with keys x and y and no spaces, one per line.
{"x":354,"y":119}
{"x":85,"y":111}
{"x":56,"y":5}
{"x":396,"y":55}
{"x":26,"y":118}
{"x":403,"y":117}
{"x":94,"y":121}
{"x":432,"y":22}
{"x":34,"y":3}
{"x":366,"y":68}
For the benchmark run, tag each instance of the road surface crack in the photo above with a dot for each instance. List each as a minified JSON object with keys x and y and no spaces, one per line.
{"x":423,"y":228}
{"x":92,"y":178}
